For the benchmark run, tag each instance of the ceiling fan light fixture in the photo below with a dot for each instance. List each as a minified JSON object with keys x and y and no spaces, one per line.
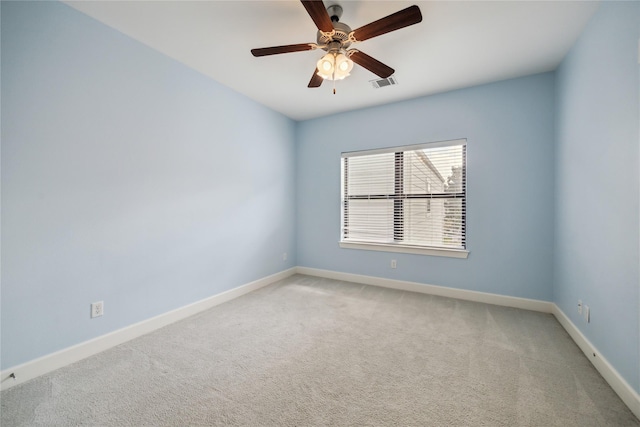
{"x":326,"y":66}
{"x":334,"y":66}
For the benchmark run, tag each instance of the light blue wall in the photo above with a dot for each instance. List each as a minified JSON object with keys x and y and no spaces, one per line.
{"x":597,"y":217}
{"x":510,"y":131}
{"x":127,"y":178}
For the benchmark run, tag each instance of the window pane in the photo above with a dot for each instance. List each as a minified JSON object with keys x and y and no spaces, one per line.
{"x":370,"y":220}
{"x":434,"y":170}
{"x":420,"y":174}
{"x":371,"y":174}
{"x":453,"y":225}
{"x":424,"y":222}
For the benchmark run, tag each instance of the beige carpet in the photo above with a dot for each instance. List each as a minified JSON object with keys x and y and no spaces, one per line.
{"x":308,"y":351}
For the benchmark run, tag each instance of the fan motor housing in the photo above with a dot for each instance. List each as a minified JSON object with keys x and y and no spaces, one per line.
{"x":341,"y":35}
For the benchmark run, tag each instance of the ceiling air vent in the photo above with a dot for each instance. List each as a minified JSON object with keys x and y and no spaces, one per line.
{"x":390,"y":81}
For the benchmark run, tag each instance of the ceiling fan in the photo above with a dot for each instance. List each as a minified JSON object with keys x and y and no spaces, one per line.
{"x":335,"y":38}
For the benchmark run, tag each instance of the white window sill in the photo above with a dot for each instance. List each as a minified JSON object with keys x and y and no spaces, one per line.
{"x":451,"y":253}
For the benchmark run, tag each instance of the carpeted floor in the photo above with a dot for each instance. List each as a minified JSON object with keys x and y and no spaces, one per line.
{"x":309,"y":351}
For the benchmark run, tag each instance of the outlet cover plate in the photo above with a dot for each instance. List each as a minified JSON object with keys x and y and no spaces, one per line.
{"x":97,"y":309}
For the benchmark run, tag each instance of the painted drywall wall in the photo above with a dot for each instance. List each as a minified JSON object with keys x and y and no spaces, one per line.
{"x":596,"y":256}
{"x":126,"y":178}
{"x":509,"y":128}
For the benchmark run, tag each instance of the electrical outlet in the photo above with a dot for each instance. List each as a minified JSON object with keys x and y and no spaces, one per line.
{"x":284,"y":256}
{"x":97,"y":309}
{"x":394,"y":264}
{"x":579,"y":306}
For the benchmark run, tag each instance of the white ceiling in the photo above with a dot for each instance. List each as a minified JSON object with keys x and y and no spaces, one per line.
{"x":458,"y":44}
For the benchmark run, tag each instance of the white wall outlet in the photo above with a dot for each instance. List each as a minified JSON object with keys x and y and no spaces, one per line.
{"x":394,"y":264}
{"x":579,"y":306}
{"x":97,"y":309}
{"x":587,"y":314}
{"x":284,"y":256}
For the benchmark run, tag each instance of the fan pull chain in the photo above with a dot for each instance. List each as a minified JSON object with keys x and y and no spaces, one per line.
{"x":334,"y":80}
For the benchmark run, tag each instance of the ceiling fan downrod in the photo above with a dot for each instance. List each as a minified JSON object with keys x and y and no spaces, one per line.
{"x":335,"y":12}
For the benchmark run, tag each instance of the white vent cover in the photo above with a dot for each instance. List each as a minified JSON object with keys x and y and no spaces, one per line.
{"x":390,"y":81}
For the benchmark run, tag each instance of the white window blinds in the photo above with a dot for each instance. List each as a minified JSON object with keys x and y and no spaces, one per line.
{"x":413,"y":196}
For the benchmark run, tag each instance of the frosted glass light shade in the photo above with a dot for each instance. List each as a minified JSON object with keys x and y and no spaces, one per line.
{"x":325,"y":66}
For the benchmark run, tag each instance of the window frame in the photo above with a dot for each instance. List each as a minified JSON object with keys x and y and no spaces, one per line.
{"x":398,"y":198}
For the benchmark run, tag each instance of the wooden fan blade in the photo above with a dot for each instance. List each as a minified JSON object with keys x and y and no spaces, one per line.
{"x":395,"y":21}
{"x":275,"y":50}
{"x":317,"y":12}
{"x":371,"y":64}
{"x":316,"y":80}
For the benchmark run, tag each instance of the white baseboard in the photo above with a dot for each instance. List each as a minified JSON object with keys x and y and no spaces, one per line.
{"x":463,"y":294}
{"x":64,"y":357}
{"x":628,"y":395}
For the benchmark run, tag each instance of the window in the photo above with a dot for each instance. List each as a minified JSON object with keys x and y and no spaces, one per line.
{"x":406,"y":199}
